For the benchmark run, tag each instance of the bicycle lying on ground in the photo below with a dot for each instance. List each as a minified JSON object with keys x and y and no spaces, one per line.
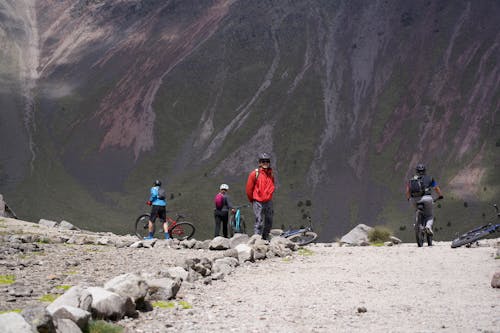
{"x":476,"y":234}
{"x":237,"y":222}
{"x":301,"y":236}
{"x":177,"y":228}
{"x":421,"y":233}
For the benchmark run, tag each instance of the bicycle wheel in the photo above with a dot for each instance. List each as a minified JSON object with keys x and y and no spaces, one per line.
{"x":243,"y":227}
{"x":182,"y":231}
{"x":419,"y":236}
{"x":470,"y":237}
{"x":231,"y":227}
{"x":303,"y":238}
{"x":141,"y":226}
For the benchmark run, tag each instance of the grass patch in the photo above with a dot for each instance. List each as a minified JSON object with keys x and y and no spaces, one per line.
{"x":185,"y":305}
{"x":7,"y":279}
{"x":101,"y":326}
{"x":305,"y":252}
{"x":49,"y":298}
{"x":377,"y":244}
{"x":379,"y":235}
{"x":71,"y":272}
{"x":14,"y":310}
{"x":163,"y":305}
{"x":63,"y":287}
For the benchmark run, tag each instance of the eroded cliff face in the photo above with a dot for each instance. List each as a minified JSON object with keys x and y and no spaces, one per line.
{"x":347,"y":96}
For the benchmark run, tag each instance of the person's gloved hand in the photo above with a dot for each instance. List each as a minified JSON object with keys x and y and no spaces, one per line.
{"x":440,"y":197}
{"x":149,"y":203}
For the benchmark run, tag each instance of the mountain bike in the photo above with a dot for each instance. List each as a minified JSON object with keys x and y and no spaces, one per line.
{"x":421,"y":233}
{"x":177,"y":228}
{"x":237,"y":222}
{"x":476,"y":234}
{"x":301,"y":236}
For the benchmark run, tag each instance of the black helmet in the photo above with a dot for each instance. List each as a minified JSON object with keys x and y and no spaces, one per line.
{"x":264,"y":156}
{"x":157,"y":182}
{"x":420,"y":168}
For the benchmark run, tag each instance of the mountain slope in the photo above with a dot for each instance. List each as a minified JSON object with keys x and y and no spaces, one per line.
{"x":347,"y":96}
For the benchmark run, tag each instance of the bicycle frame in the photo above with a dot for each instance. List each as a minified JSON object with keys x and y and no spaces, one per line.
{"x":291,"y":232}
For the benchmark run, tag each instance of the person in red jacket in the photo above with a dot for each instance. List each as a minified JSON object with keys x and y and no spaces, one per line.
{"x":260,"y":188}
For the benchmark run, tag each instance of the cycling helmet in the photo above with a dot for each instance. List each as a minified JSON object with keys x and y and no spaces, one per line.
{"x":224,"y":187}
{"x":264,"y":157}
{"x":420,"y":168}
{"x":157,"y":183}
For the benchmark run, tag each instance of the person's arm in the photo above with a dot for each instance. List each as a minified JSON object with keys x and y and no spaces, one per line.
{"x":154,"y":193}
{"x":408,"y":191}
{"x":250,"y":185}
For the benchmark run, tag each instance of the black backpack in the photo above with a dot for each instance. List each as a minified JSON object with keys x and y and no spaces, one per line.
{"x":419,"y":185}
{"x":161,"y":194}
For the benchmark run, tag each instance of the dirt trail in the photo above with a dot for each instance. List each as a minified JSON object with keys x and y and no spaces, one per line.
{"x":403,"y":288}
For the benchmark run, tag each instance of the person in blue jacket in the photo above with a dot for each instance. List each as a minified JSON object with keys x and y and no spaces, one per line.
{"x":158,"y":204}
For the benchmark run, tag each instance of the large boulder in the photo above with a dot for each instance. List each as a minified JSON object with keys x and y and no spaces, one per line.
{"x":128,"y":285}
{"x":39,"y":318}
{"x":357,"y":236}
{"x":77,"y":296}
{"x":12,"y":322}
{"x":109,"y":305}
{"x":238,"y":239}
{"x":219,"y":243}
{"x":78,"y":316}
{"x":245,"y":253}
{"x":163,"y":288}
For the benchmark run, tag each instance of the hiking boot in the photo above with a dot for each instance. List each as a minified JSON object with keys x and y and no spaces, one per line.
{"x":148,"y":238}
{"x":428,"y":230}
{"x":167,"y":236}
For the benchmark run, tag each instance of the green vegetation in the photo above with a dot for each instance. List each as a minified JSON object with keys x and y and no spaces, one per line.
{"x":63,"y":287}
{"x":185,"y":305}
{"x":7,"y":279}
{"x":305,"y":252}
{"x":163,"y":304}
{"x":379,"y":234}
{"x":49,"y":298}
{"x":101,"y":326}
{"x":14,"y":310}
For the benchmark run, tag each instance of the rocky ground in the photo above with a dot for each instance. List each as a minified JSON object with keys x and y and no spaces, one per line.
{"x":322,"y":288}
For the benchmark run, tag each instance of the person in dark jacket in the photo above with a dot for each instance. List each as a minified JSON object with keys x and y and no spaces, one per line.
{"x":423,"y":194}
{"x":221,"y":211}
{"x":260,"y":189}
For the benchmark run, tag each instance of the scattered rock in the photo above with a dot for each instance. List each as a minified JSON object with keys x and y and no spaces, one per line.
{"x":495,"y":280}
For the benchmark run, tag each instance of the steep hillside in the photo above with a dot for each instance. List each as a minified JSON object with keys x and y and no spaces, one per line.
{"x":347,"y":96}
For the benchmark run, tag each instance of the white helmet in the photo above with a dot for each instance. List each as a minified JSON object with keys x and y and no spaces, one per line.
{"x":224,"y":187}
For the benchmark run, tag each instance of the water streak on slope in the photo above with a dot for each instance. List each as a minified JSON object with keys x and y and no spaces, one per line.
{"x":23,"y":12}
{"x":244,"y":110}
{"x":126,"y":112}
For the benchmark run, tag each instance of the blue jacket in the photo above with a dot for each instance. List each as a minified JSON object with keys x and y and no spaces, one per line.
{"x":154,"y":197}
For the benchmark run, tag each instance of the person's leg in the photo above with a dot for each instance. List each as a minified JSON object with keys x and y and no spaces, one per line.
{"x":152,"y":219}
{"x":162,"y":215}
{"x":224,"y":219}
{"x":428,"y":212}
{"x":257,"y":210}
{"x":268,"y":213}
{"x":218,"y":221}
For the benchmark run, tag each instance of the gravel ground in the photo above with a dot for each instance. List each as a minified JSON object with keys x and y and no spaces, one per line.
{"x":325,"y":288}
{"x":402,"y":288}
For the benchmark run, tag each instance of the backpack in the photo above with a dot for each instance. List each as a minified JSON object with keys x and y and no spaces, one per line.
{"x":219,"y":201}
{"x":161,"y":194}
{"x":417,"y":186}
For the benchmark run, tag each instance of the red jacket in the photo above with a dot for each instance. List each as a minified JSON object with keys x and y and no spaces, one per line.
{"x":260,"y":188}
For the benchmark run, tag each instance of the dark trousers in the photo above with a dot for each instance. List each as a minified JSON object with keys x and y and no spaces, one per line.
{"x":263,"y":218}
{"x":221,"y":216}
